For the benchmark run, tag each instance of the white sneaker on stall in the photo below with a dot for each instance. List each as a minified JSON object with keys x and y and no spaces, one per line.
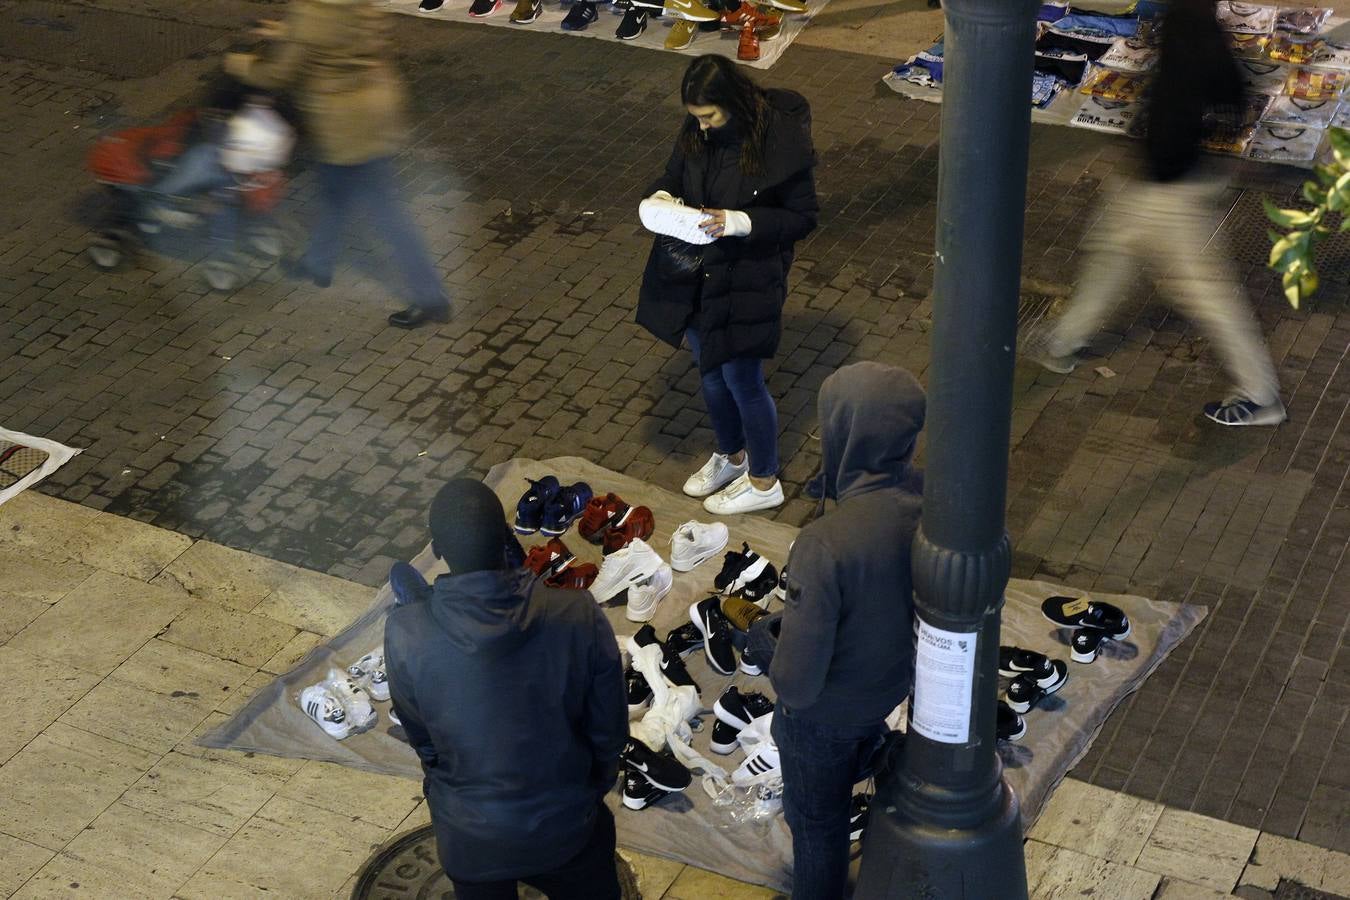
{"x":643,"y":597}
{"x":368,"y":671}
{"x":741,"y":496}
{"x":624,"y":569}
{"x":355,"y":701}
{"x":717,"y":473}
{"x":695,"y":542}
{"x":321,"y":705}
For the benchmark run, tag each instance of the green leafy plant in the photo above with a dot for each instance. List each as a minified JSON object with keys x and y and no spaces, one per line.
{"x":1294,"y":253}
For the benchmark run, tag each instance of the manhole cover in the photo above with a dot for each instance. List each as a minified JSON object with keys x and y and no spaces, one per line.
{"x":408,"y":868}
{"x":113,"y":43}
{"x":1243,"y":234}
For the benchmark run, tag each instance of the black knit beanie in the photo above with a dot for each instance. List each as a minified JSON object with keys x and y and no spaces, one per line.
{"x":467,"y":526}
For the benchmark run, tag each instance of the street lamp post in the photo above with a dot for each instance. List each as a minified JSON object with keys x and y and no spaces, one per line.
{"x":947,"y":825}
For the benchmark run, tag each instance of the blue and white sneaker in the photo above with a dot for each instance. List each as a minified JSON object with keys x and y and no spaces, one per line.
{"x":530,"y":508}
{"x":565,"y":508}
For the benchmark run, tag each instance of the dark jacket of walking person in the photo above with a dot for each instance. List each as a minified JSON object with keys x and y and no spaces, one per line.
{"x":845,"y":655}
{"x":334,"y":56}
{"x":744,"y":155}
{"x":512,"y":694}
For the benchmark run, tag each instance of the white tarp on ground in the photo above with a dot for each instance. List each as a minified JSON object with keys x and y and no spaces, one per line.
{"x":25,"y":460}
{"x":603,"y":28}
{"x":689,"y":828}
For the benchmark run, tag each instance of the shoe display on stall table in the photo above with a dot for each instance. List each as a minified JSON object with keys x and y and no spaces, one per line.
{"x":739,"y":568}
{"x":624,"y":569}
{"x":639,"y":792}
{"x":689,"y":10}
{"x":633,"y":25}
{"x":565,"y":507}
{"x":600,"y":514}
{"x":768,"y":25}
{"x":1080,"y":612}
{"x":368,"y":671}
{"x":355,"y":701}
{"x":637,"y":524}
{"x":680,"y":37}
{"x":580,"y":16}
{"x":323,"y":706}
{"x":1025,"y":691}
{"x":530,"y":506}
{"x":481,"y":9}
{"x":644,"y":596}
{"x":695,"y":542}
{"x":747,"y":49}
{"x":1010,"y":726}
{"x":717,"y":643}
{"x":527,"y":11}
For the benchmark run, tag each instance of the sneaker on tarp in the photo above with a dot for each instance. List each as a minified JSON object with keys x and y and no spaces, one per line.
{"x":695,"y":542}
{"x":580,"y":16}
{"x":639,"y":792}
{"x":1080,"y":612}
{"x":645,"y":595}
{"x":354,"y":699}
{"x":1025,"y":691}
{"x":323,"y":706}
{"x":368,"y":672}
{"x":565,"y":507}
{"x":681,"y":35}
{"x":637,"y":524}
{"x":639,"y":691}
{"x":530,"y":506}
{"x":1010,"y":726}
{"x":599,"y":515}
{"x":527,"y":11}
{"x":684,"y":640}
{"x":857,"y":816}
{"x":740,"y":710}
{"x":661,"y":769}
{"x":481,"y":9}
{"x":716,"y":630}
{"x":633,"y":24}
{"x":624,"y":569}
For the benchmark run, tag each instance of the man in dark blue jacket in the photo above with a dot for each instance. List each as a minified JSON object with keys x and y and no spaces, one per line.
{"x":512,"y":694}
{"x":845,"y":656}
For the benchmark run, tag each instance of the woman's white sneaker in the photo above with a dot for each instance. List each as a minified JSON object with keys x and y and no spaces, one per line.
{"x":742,"y":496}
{"x":717,"y":473}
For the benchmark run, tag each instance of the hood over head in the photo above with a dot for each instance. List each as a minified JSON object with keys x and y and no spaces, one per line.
{"x":870,"y":418}
{"x":486,"y":612}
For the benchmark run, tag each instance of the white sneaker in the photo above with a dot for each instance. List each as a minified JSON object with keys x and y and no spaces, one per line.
{"x":368,"y":671}
{"x":326,"y":710}
{"x":742,"y":496}
{"x":673,"y":218}
{"x":355,"y":701}
{"x":717,"y":473}
{"x":695,"y":542}
{"x":393,"y":716}
{"x":642,"y":598}
{"x":624,"y":569}
{"x":761,"y":753}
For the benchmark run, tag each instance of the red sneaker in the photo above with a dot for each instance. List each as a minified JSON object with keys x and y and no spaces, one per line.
{"x":748,"y":46}
{"x":549,"y":559}
{"x":637,"y":523}
{"x":576,"y":577}
{"x":600,"y":514}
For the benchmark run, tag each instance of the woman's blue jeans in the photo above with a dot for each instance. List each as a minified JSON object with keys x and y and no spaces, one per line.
{"x":372,"y":185}
{"x":743,"y":413}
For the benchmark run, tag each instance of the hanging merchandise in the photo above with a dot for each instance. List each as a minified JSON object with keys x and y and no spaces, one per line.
{"x":1130,"y":54}
{"x":1263,"y":77}
{"x":1302,"y":20}
{"x":1312,"y":84}
{"x":1285,"y":143}
{"x":1288,"y":110}
{"x":1333,"y":55}
{"x":1248,"y":46}
{"x":1246,"y":18}
{"x":1294,"y":49}
{"x":1111,"y":85}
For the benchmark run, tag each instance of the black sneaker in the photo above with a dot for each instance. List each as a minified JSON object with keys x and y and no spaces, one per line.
{"x":738,"y":568}
{"x":1079,"y":612}
{"x":739,"y":710}
{"x":639,"y":793}
{"x":661,"y":769}
{"x":1086,"y":644}
{"x":671,"y":665}
{"x":579,"y":16}
{"x":633,"y":24}
{"x":1010,"y":726}
{"x":430,"y":5}
{"x":1026,"y":691}
{"x":684,"y":640}
{"x":723,"y":739}
{"x":717,"y":645}
{"x":760,"y":589}
{"x":481,"y":9}
{"x":1014,"y":661}
{"x":858,"y":811}
{"x":639,"y":691}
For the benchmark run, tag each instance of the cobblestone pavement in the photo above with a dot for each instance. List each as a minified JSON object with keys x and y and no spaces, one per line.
{"x":291,"y":422}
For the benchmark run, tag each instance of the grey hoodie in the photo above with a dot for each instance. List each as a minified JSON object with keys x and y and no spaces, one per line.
{"x":845,"y":654}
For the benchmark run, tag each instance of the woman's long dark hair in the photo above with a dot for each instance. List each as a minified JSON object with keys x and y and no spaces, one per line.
{"x":713,"y":80}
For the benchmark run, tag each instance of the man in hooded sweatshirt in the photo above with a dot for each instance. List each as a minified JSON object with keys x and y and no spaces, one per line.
{"x":512,"y":694}
{"x":845,"y":655}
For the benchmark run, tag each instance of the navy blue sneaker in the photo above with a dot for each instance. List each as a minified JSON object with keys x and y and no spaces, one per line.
{"x":579,"y":16}
{"x":530,"y":508}
{"x":565,"y":508}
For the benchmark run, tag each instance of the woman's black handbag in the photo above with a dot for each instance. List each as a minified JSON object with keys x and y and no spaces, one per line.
{"x":676,"y":260}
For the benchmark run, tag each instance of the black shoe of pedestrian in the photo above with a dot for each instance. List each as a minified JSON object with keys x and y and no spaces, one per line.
{"x":1010,"y":726}
{"x":1014,"y":661}
{"x":857,"y":816}
{"x":414,"y":316}
{"x":639,"y":793}
{"x":633,"y":24}
{"x":579,"y":16}
{"x":661,"y":769}
{"x":717,"y":646}
{"x":296,"y":270}
{"x":684,"y":640}
{"x":1079,"y":612}
{"x":639,"y":691}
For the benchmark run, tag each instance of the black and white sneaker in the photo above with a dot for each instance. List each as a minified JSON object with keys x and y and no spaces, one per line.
{"x":1086,"y":643}
{"x":1079,"y":612}
{"x":633,"y":24}
{"x":1014,"y":661}
{"x":684,"y":640}
{"x":661,"y":769}
{"x":1010,"y":726}
{"x":430,"y":5}
{"x":671,"y":665}
{"x":723,"y":739}
{"x":579,"y":16}
{"x":1026,"y":690}
{"x":639,"y":792}
{"x":738,"y":569}
{"x":760,"y":589}
{"x":858,"y":811}
{"x":739,"y":710}
{"x":717,"y":646}
{"x":639,"y":691}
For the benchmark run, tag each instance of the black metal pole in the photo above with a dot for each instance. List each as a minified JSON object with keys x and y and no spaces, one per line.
{"x":948,"y":826}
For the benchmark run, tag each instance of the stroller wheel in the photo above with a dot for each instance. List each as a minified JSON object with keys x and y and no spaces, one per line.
{"x":222,"y":275}
{"x":105,"y":252}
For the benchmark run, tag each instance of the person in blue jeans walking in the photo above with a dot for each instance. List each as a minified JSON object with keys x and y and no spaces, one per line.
{"x":744,"y":156}
{"x":845,"y":658}
{"x":333,"y":55}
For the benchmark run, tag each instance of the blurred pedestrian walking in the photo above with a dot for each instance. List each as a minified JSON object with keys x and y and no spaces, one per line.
{"x":333,"y":55}
{"x":1165,"y":217}
{"x":744,"y":156}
